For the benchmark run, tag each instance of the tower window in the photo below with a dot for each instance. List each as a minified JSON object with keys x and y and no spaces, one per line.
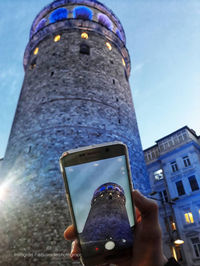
{"x":57,"y":38}
{"x":102,"y":189}
{"x":36,"y":51}
{"x":84,"y":35}
{"x":58,"y":15}
{"x":123,"y":62}
{"x":119,"y":34}
{"x":125,"y":74}
{"x":82,"y":12}
{"x":84,"y":49}
{"x":105,"y":21}
{"x":33,"y":64}
{"x":109,"y":46}
{"x":41,"y":24}
{"x":180,"y":188}
{"x":193,"y":183}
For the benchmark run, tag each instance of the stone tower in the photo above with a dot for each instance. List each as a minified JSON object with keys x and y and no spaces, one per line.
{"x":75,"y":93}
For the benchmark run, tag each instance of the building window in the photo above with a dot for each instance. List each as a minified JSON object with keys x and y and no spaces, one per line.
{"x":180,"y":188}
{"x":158,"y":175}
{"x":164,"y":196}
{"x":153,"y":155}
{"x":149,"y":156}
{"x":189,"y":218}
{"x":180,"y":137}
{"x":84,"y":49}
{"x":186,"y":161}
{"x":196,"y":246}
{"x":193,"y":183}
{"x":174,"y":166}
{"x":166,"y":145}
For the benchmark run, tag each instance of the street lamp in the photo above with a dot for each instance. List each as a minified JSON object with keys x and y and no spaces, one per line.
{"x":174,"y":239}
{"x":178,"y":242}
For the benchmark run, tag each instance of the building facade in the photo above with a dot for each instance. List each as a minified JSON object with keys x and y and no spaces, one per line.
{"x":174,"y":169}
{"x":75,"y":93}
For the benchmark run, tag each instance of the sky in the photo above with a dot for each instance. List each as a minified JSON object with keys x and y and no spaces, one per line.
{"x":164,"y":44}
{"x":104,"y":171}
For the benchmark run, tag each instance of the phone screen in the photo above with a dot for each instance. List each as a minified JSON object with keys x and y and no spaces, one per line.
{"x":102,"y":205}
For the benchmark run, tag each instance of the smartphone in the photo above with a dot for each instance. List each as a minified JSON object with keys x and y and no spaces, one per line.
{"x":98,"y":188}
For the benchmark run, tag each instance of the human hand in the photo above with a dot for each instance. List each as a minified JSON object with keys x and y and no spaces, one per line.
{"x":147,"y":248}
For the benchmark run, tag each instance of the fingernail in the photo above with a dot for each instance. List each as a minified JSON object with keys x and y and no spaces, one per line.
{"x":75,"y":256}
{"x":72,"y":246}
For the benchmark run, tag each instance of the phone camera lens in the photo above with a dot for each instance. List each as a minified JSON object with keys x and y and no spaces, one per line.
{"x":107,"y":149}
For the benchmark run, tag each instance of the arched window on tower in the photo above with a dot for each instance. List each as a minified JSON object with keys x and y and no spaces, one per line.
{"x":82,"y":12}
{"x":119,"y":34}
{"x":105,"y":21}
{"x":58,"y":15}
{"x":84,"y":49}
{"x":41,"y":24}
{"x":33,"y":64}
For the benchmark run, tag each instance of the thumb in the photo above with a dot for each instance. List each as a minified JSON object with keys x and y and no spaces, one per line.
{"x":147,"y":207}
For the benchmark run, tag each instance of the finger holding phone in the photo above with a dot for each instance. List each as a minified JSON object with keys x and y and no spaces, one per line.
{"x":147,"y":248}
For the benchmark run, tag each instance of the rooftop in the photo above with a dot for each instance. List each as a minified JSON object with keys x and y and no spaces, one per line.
{"x":171,"y":142}
{"x":174,"y":133}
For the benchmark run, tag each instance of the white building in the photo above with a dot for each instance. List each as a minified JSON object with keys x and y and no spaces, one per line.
{"x":174,"y":169}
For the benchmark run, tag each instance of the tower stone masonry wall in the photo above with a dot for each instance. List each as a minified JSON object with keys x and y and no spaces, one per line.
{"x":68,"y":100}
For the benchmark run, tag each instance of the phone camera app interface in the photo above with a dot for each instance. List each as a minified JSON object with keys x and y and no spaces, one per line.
{"x":102,"y":205}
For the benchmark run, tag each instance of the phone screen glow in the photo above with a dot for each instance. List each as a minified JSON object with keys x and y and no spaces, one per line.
{"x":84,"y":179}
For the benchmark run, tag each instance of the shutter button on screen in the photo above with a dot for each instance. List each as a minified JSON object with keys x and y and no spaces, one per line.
{"x":109,"y":245}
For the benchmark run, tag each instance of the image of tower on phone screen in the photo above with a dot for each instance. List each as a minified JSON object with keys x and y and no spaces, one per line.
{"x":102,"y":205}
{"x":107,"y":227}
